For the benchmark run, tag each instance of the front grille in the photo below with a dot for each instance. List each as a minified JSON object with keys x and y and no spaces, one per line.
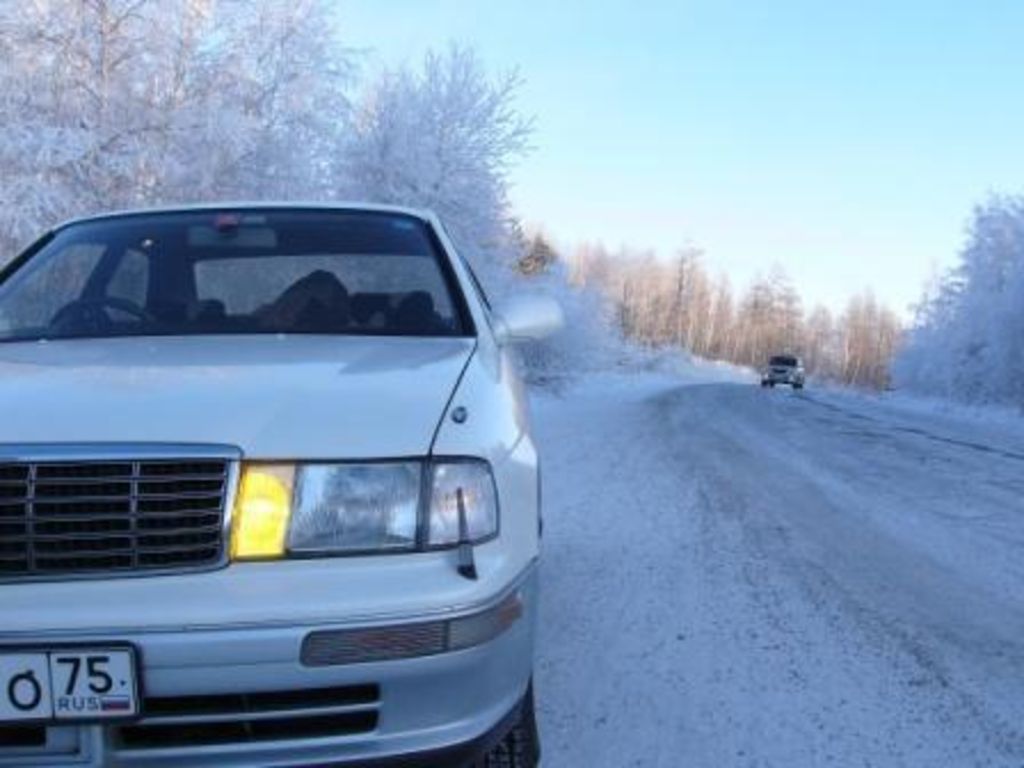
{"x":198,"y":721}
{"x":63,"y":518}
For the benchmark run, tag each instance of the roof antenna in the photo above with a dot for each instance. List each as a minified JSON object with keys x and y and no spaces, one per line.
{"x":467,"y":562}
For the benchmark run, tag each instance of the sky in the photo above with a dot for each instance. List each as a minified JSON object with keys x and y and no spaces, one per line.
{"x":846,"y":141}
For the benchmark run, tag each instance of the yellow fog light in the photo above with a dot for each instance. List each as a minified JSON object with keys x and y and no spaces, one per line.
{"x":264,"y":506}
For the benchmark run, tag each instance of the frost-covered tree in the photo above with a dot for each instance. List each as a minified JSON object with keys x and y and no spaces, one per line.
{"x":868,"y":336}
{"x":820,"y":345}
{"x":292,"y":79}
{"x":445,"y":136}
{"x":721,"y":321}
{"x":442,"y":136}
{"x":114,"y":103}
{"x":967,"y":342}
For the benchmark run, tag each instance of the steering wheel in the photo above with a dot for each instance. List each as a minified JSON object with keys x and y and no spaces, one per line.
{"x":91,"y":314}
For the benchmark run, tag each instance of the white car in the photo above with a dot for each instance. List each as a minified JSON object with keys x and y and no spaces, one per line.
{"x":268,"y":495}
{"x":784,"y":369}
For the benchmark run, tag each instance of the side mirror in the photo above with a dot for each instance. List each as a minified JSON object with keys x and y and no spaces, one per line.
{"x":527,"y":318}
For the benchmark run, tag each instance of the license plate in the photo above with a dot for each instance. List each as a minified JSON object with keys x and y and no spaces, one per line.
{"x":62,"y":686}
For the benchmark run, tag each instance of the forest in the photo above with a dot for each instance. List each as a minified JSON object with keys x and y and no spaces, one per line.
{"x":659,"y":302}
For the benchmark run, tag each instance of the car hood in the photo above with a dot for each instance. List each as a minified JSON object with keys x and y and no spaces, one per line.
{"x":280,"y":397}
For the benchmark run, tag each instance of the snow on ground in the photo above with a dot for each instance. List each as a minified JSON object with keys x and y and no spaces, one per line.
{"x":742,"y":577}
{"x":988,"y":422}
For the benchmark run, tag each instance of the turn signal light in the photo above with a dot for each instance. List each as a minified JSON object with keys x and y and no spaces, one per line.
{"x":260,"y":525}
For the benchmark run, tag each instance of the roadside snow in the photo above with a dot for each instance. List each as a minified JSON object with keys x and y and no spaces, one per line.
{"x":737,"y":577}
{"x":987,"y":422}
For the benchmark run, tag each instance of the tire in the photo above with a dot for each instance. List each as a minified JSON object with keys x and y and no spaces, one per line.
{"x":764,"y":385}
{"x":798,"y":386}
{"x":521,"y":746}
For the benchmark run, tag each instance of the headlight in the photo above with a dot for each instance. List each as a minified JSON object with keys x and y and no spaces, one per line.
{"x":360,"y":507}
{"x":334,"y":509}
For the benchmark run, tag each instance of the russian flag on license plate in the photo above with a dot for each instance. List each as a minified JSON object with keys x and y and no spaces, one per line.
{"x":115,"y":704}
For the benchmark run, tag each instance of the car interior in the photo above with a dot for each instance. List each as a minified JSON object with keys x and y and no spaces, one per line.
{"x":253,"y":280}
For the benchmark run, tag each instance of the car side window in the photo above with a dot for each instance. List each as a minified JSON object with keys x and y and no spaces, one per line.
{"x":130,"y":280}
{"x":44,"y":290}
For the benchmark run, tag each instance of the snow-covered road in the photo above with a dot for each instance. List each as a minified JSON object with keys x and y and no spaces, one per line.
{"x":738,"y":577}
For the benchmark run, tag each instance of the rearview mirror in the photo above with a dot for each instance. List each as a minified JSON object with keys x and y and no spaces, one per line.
{"x":527,"y":318}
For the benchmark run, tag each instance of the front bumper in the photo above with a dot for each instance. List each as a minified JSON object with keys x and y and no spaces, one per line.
{"x":242,"y":696}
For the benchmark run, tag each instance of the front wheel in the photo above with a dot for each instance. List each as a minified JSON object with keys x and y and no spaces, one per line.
{"x":521,"y":746}
{"x":798,"y":386}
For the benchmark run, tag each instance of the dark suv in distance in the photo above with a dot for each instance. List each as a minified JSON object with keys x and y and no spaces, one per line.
{"x":783,"y":369}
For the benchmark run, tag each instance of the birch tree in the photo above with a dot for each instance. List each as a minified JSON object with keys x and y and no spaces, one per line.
{"x":118,"y":103}
{"x":443,"y":136}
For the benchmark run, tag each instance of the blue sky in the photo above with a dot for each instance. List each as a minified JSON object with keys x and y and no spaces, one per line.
{"x":845,"y":141}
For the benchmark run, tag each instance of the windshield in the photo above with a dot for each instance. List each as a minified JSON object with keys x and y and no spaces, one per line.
{"x":784,"y":362}
{"x":234,"y":272}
